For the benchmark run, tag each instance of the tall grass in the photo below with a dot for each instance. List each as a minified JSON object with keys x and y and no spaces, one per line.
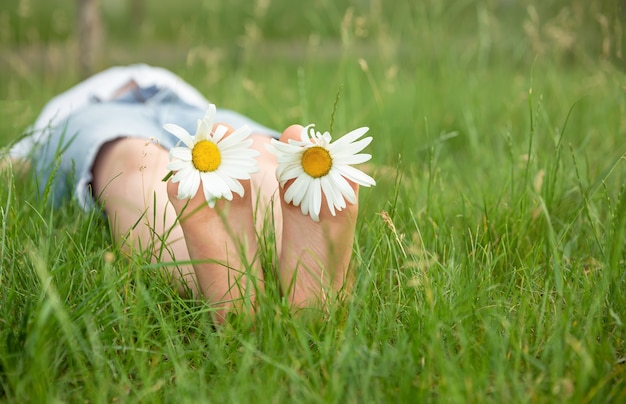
{"x":489,"y":259}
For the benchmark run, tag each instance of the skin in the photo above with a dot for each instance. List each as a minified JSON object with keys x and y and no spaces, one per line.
{"x":314,"y":267}
{"x":221,"y":243}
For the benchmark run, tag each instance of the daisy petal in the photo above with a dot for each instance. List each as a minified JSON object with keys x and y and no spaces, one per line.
{"x":237,"y":137}
{"x":210,"y":114}
{"x":236,"y":160}
{"x":181,"y":153}
{"x":356,"y":175}
{"x":317,"y":197}
{"x":219,"y":133}
{"x":357,"y":159}
{"x":187,"y":189}
{"x":297,"y":190}
{"x":214,"y":185}
{"x":304,"y":133}
{"x":353,"y":148}
{"x":234,"y":185}
{"x":182,"y":173}
{"x":336,"y":186}
{"x":204,"y":130}
{"x":180,"y":133}
{"x":290,"y":172}
{"x":177,"y":165}
{"x":329,"y":194}
{"x":351,"y":136}
{"x":343,"y":186}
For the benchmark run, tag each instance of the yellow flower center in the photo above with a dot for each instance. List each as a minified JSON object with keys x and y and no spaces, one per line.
{"x":316,"y":161}
{"x":206,"y":156}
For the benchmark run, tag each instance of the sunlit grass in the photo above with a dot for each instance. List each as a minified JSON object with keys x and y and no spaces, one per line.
{"x":489,"y":258}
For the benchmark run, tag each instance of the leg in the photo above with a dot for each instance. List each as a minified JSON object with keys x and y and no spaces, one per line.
{"x":222,"y":241}
{"x":127,"y":177}
{"x":315,"y":256}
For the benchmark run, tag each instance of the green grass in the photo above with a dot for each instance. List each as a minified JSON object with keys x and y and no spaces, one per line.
{"x":489,"y":259}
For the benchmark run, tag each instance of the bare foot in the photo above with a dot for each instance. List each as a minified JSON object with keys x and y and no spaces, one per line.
{"x":265,"y":193}
{"x":222,"y":243}
{"x":315,"y":256}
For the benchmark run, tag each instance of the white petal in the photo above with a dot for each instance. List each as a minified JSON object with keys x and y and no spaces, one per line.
{"x":181,"y":153}
{"x":238,"y":136}
{"x":223,"y":186}
{"x":288,"y":160}
{"x":308,"y":204}
{"x":343,"y":186}
{"x":356,"y":175}
{"x":234,"y":186}
{"x":205,"y":125}
{"x":298,"y":143}
{"x":289,"y":194}
{"x":188,"y":186}
{"x":354,"y":159}
{"x":304,"y":207}
{"x":183,"y":173}
{"x":204,"y":131}
{"x":238,"y":172}
{"x":241,"y":148}
{"x":306,"y":198}
{"x":239,"y":153}
{"x":307,"y":195}
{"x":324,"y":139}
{"x":280,"y":147}
{"x":297,"y":190}
{"x":316,"y":198}
{"x":351,"y":148}
{"x":290,"y":172}
{"x":351,"y":136}
{"x":304,"y":133}
{"x":177,"y":165}
{"x":209,"y":116}
{"x":219,"y":133}
{"x":332,"y":197}
{"x":180,"y":133}
{"x":214,"y":187}
{"x":201,"y":130}
{"x":315,"y":216}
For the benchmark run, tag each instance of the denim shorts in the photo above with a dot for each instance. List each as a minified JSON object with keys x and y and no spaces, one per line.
{"x":63,"y":163}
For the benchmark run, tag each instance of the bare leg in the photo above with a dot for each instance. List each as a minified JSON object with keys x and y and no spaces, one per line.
{"x":127,"y":179}
{"x":222,"y":242}
{"x":315,"y":255}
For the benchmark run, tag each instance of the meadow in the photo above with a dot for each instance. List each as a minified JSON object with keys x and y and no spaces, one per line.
{"x":489,"y":260}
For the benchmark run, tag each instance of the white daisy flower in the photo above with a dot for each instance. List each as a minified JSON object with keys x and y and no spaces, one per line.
{"x":321,"y":167}
{"x":209,"y":158}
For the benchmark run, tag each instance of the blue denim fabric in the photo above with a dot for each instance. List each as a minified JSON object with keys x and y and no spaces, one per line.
{"x":65,"y":160}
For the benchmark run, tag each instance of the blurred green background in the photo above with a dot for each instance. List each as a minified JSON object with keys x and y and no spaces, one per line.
{"x":418,"y":73}
{"x":517,"y":27}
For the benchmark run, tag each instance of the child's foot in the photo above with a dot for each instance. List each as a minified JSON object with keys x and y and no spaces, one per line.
{"x":222,"y":242}
{"x":315,"y":255}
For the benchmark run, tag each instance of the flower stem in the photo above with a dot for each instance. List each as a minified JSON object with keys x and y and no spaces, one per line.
{"x":167,"y":177}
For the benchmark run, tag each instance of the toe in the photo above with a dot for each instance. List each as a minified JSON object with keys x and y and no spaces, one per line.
{"x":172,"y":191}
{"x":292,"y":132}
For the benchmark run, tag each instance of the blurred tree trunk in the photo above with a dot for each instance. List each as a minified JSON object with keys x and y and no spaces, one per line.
{"x":90,"y":35}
